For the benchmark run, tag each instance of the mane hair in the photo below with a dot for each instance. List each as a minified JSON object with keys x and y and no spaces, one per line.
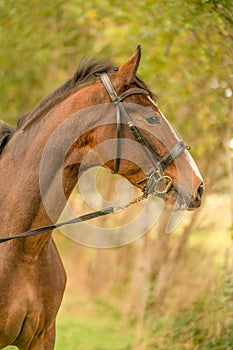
{"x":6,"y":133}
{"x":87,"y":71}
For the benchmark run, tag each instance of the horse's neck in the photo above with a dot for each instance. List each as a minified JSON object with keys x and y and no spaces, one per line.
{"x":30,"y":184}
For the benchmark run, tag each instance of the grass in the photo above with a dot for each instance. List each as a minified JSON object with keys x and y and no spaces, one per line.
{"x":197,"y":312}
{"x":198,"y":308}
{"x":91,"y":326}
{"x":205,"y":324}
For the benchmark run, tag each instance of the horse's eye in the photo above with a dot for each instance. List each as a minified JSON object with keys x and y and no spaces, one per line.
{"x":153,"y":120}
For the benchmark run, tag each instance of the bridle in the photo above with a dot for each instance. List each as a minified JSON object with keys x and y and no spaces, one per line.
{"x":157,"y":183}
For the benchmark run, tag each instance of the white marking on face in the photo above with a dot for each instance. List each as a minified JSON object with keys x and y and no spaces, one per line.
{"x":165,"y":119}
{"x":187,"y":154}
{"x":193,"y":165}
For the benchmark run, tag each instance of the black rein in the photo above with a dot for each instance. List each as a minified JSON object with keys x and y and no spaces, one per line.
{"x":153,"y":178}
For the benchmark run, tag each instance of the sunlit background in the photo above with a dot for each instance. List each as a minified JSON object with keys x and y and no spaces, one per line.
{"x":164,"y":291}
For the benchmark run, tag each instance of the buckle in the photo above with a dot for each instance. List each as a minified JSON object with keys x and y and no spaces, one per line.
{"x":157,"y":185}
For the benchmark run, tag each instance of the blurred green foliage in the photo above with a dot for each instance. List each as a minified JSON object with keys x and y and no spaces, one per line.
{"x":187,"y":55}
{"x":186,"y":60}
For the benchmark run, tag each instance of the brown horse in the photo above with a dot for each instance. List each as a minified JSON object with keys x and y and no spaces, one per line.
{"x":32,"y":277}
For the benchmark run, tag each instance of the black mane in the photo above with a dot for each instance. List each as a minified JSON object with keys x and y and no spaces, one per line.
{"x":86,"y":72}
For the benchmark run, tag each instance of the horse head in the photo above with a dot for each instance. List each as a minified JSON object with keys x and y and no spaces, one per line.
{"x":146,"y":149}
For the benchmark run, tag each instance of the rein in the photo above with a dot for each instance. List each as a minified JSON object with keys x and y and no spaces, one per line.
{"x":157,"y":183}
{"x":82,"y":218}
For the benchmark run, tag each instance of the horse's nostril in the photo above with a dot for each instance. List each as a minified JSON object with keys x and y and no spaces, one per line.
{"x":200,"y":191}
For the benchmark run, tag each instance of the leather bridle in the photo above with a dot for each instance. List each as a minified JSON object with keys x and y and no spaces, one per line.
{"x":156,"y":181}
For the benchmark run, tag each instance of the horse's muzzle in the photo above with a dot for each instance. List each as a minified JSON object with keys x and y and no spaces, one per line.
{"x":196,"y":200}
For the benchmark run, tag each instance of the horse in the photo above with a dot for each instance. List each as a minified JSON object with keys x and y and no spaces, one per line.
{"x":32,"y":277}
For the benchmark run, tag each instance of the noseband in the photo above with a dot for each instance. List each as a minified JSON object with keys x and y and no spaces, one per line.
{"x":156,"y":181}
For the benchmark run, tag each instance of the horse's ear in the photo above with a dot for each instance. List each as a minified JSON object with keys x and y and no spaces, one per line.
{"x":128,"y":69}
